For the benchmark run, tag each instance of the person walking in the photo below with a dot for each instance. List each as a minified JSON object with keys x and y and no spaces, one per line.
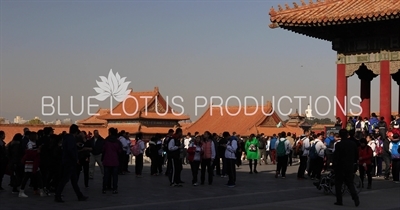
{"x":97,"y":143}
{"x":262,"y":150}
{"x":208,"y":149}
{"x":174,"y":146}
{"x":317,"y":154}
{"x":84,"y":149}
{"x":111,"y":160}
{"x":139,"y":157}
{"x":194,"y":156}
{"x":251,"y":148}
{"x":291,"y":142}
{"x":282,"y":147}
{"x":345,"y":159}
{"x":366,"y":155}
{"x":69,"y":161}
{"x":155,"y":155}
{"x":272,"y":148}
{"x":394,"y":148}
{"x":3,"y":157}
{"x":304,"y":148}
{"x":230,"y":157}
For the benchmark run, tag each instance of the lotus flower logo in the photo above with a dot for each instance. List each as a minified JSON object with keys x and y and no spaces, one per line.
{"x":114,"y":86}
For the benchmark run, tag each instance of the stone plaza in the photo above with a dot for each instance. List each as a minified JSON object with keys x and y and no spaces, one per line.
{"x":253,"y":191}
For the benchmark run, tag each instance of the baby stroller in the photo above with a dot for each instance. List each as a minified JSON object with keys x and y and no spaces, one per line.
{"x":327,"y":183}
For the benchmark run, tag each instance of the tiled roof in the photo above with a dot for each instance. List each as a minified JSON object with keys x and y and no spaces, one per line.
{"x":294,"y":122}
{"x":95,"y":119}
{"x":296,"y":115}
{"x":140,"y":103}
{"x":321,"y":127}
{"x":213,"y":121}
{"x":331,"y":12}
{"x":169,"y":116}
{"x":121,"y":110}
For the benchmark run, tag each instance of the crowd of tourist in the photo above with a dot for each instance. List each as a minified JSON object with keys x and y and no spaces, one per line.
{"x":49,"y":161}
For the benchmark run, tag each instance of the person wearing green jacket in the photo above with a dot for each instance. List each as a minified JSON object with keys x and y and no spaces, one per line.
{"x":251,"y":147}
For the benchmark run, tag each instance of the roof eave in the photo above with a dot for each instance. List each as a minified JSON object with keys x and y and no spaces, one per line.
{"x":274,"y":25}
{"x":161,"y":118}
{"x":292,"y":28}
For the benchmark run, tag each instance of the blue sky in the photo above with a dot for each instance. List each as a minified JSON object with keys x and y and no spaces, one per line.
{"x":186,"y":48}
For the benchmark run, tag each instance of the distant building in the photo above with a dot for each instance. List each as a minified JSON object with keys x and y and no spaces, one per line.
{"x":67,"y":121}
{"x":295,"y":119}
{"x":19,"y":120}
{"x":4,"y":121}
{"x":140,"y":116}
{"x":308,"y":112}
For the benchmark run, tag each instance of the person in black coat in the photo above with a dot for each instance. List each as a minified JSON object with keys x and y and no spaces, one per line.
{"x":3,"y":157}
{"x":69,"y":164}
{"x":383,"y":127}
{"x":84,"y":148}
{"x":15,"y":155}
{"x":221,"y":154}
{"x":154,"y":151}
{"x":345,"y":164}
{"x":55,"y":161}
{"x":386,"y":157}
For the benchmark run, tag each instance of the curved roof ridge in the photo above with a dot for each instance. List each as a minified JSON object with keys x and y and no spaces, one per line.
{"x":198,"y":120}
{"x":153,"y":93}
{"x":334,"y":12}
{"x":303,"y":6}
{"x":265,"y":116}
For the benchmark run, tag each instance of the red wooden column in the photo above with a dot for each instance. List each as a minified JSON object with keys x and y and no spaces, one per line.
{"x":365,"y":97}
{"x":385,"y":92}
{"x":341,"y":93}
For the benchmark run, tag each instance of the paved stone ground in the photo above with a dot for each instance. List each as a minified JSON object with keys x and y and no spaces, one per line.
{"x":253,"y":191}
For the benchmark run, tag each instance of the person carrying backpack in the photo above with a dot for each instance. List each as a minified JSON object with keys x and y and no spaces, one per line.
{"x":317,"y":153}
{"x":367,"y":126}
{"x":394,"y":149}
{"x":302,"y":149}
{"x":272,"y":150}
{"x":378,"y":152}
{"x":359,"y":125}
{"x":282,"y":148}
{"x":262,"y":150}
{"x":167,"y":152}
{"x":350,"y":124}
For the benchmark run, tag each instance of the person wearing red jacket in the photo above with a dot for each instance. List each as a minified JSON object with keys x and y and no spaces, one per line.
{"x":365,"y":154}
{"x":396,"y":128}
{"x":31,"y":160}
